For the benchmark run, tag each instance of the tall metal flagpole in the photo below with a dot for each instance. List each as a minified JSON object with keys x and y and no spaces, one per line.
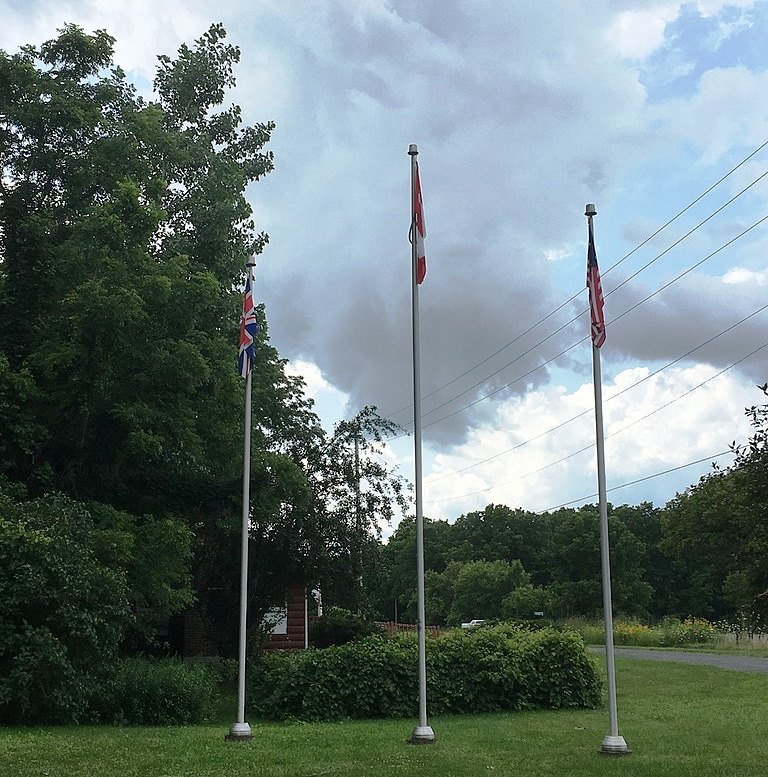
{"x":613,"y":743}
{"x":240,"y":730}
{"x":423,"y":733}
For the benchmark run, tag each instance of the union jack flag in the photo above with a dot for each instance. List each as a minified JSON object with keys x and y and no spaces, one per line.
{"x":249,"y":326}
{"x":595,"y":293}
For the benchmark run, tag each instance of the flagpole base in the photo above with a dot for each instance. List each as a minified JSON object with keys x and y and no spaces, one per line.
{"x":422,"y":735}
{"x":240,"y":732}
{"x":614,"y":746}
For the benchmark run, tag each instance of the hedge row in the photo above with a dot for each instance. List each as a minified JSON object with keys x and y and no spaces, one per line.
{"x":155,"y":692}
{"x":129,"y":691}
{"x":479,"y":670}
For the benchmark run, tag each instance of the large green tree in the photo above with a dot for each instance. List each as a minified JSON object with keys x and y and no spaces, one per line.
{"x":124,"y":232}
{"x":576,"y":570}
{"x":361,"y":492}
{"x":717,"y":533}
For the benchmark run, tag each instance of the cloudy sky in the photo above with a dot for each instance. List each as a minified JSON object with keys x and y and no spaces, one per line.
{"x":523,"y":113}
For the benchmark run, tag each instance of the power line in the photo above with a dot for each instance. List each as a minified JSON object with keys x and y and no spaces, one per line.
{"x":609,"y":399}
{"x":612,"y":434}
{"x":691,"y":268}
{"x":605,"y":272}
{"x":578,"y":342}
{"x":688,"y":234}
{"x":640,"y":480}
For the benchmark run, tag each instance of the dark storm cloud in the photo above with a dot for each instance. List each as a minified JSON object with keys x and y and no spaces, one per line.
{"x":496,"y":101}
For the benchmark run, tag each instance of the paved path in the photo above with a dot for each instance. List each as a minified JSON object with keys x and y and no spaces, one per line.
{"x":737,"y":663}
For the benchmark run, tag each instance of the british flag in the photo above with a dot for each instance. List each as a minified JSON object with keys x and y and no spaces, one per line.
{"x":249,"y":326}
{"x":595,"y":293}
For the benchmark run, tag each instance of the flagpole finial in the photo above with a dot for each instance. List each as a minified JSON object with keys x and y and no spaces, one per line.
{"x":590,"y":210}
{"x":413,"y":150}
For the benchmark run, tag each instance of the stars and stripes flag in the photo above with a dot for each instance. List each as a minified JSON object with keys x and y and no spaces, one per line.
{"x":595,"y":293}
{"x":419,"y":230}
{"x":249,"y":326}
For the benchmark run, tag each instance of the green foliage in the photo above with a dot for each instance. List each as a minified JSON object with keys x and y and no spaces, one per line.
{"x":480,"y":587}
{"x":484,"y":669}
{"x":155,"y":692}
{"x":63,"y":611}
{"x":78,"y":582}
{"x":154,"y":554}
{"x":499,"y":532}
{"x":693,"y":631}
{"x":563,"y":549}
{"x":115,"y":214}
{"x":360,"y":492}
{"x":338,"y":626}
{"x":524,"y":602}
{"x":395,"y":591}
{"x":671,"y":632}
{"x":559,"y":672}
{"x":686,"y":721}
{"x":717,"y":534}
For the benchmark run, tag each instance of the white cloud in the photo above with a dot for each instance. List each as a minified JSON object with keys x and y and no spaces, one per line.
{"x":715,"y":7}
{"x":739,"y":275}
{"x":557,"y":254}
{"x":313,"y":378}
{"x":641,"y":440}
{"x":521,"y":117}
{"x":724,"y":112}
{"x":637,"y":33}
{"x":142,"y":28}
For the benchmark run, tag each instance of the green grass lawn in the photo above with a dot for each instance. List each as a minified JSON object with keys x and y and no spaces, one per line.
{"x":679,"y":720}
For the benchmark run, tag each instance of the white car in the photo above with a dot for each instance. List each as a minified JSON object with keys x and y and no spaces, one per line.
{"x":471,"y":624}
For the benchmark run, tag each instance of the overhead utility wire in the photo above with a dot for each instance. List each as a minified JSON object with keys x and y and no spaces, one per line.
{"x":621,"y":315}
{"x":612,"y":434}
{"x":687,"y":234}
{"x":604,"y":273}
{"x":578,"y":315}
{"x":640,"y":480}
{"x":589,"y":409}
{"x":656,"y":258}
{"x":691,"y":268}
{"x":498,"y":351}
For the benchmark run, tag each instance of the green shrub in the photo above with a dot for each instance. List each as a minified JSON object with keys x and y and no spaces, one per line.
{"x":155,"y":692}
{"x":669,"y":633}
{"x":491,"y":668}
{"x":634,"y":633}
{"x":558,"y":671}
{"x":691,"y":631}
{"x":62,"y":611}
{"x":338,"y":626}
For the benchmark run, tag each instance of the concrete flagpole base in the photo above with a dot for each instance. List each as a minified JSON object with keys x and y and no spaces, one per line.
{"x":614,"y":746}
{"x":422,"y":735}
{"x":240,"y":732}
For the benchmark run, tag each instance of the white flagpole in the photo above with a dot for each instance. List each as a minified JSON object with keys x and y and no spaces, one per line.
{"x":240,"y":730}
{"x":613,"y":743}
{"x":423,"y":733}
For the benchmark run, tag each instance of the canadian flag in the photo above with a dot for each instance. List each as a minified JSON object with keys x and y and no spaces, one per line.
{"x":419,"y":231}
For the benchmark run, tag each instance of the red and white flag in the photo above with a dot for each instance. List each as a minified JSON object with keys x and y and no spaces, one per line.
{"x":595,"y":293}
{"x":419,"y":230}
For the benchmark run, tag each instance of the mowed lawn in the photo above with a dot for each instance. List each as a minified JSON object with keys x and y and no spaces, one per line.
{"x":679,"y":720}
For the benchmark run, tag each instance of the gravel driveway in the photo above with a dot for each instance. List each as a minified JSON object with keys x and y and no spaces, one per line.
{"x":737,"y":663}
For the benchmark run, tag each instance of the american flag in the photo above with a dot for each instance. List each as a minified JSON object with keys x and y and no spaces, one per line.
{"x":595,"y":293}
{"x":419,"y":230}
{"x":249,"y":326}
